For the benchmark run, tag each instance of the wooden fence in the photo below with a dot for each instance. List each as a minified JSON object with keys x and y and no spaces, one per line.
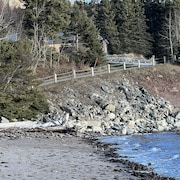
{"x":174,"y":59}
{"x":107,"y":69}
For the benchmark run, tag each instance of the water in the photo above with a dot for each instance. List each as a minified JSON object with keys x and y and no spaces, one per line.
{"x":161,"y":151}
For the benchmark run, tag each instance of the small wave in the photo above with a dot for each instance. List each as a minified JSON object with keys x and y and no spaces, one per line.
{"x":176,"y":156}
{"x":155,"y":149}
{"x":137,"y":145}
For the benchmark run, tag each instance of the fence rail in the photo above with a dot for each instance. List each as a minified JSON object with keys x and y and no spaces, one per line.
{"x":76,"y":74}
{"x":114,"y":65}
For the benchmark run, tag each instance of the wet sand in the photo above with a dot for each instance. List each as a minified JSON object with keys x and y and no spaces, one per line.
{"x":62,"y":158}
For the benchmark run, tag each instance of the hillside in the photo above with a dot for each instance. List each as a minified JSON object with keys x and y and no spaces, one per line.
{"x":160,"y":81}
{"x":126,"y":102}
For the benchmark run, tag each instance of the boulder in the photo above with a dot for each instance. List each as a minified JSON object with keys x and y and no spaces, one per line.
{"x":89,"y":125}
{"x":102,"y":103}
{"x":105,"y":89}
{"x":94,"y":96}
{"x":110,"y":107}
{"x":163,"y":123}
{"x":177,"y":124}
{"x":124,"y":131}
{"x":131,"y":124}
{"x":3,"y":120}
{"x":178,"y":115}
{"x":93,"y":123}
{"x":111,"y":116}
{"x":160,"y":127}
{"x":130,"y":131}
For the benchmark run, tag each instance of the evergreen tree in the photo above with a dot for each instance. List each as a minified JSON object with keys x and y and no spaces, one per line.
{"x":128,"y":26}
{"x":91,"y":9}
{"x":43,"y":20}
{"x":143,"y":39}
{"x":117,"y":8}
{"x":17,"y":99}
{"x":107,"y":26}
{"x":88,"y":46}
{"x":155,"y":12}
{"x":46,"y":17}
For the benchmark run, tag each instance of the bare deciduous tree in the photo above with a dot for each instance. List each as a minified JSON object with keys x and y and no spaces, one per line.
{"x":171,"y":34}
{"x":9,"y":16}
{"x":38,"y":39}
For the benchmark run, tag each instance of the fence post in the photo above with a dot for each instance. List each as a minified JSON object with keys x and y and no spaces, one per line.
{"x":124,"y":65}
{"x":74,"y":73}
{"x":92,"y":71}
{"x":174,"y":58}
{"x":139,"y":64}
{"x":153,"y":60}
{"x":55,"y":78}
{"x":164,"y":57}
{"x":109,"y":68}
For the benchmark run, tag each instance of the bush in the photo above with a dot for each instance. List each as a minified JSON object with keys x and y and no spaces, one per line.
{"x":26,"y":105}
{"x":17,"y":99}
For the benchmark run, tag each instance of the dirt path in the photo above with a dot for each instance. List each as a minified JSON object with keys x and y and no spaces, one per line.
{"x":68,"y":158}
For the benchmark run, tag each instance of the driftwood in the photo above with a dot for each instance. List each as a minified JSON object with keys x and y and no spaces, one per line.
{"x":38,"y":126}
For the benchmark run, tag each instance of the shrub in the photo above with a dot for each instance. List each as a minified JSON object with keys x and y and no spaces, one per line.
{"x":26,"y":105}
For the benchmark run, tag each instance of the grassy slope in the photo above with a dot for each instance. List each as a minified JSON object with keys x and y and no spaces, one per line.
{"x":160,"y":81}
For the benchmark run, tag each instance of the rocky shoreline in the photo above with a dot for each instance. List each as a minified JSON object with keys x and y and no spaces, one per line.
{"x":102,"y":106}
{"x":113,"y":107}
{"x":135,"y":169}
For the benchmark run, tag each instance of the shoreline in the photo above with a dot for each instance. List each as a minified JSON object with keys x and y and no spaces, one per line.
{"x":136,"y":169}
{"x":87,"y":144}
{"x":41,"y":156}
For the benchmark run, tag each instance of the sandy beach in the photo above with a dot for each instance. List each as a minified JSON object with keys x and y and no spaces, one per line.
{"x":64,"y":158}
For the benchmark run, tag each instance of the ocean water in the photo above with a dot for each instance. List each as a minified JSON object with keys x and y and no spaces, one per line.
{"x":160,"y":150}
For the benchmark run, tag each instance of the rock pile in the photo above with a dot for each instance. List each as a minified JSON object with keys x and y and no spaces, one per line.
{"x":114,"y":108}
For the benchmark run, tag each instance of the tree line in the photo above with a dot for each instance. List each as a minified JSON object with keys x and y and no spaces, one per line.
{"x":138,"y":26}
{"x":129,"y":26}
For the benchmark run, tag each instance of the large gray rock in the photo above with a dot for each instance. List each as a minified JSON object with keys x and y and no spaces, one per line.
{"x":111,"y":116}
{"x":124,"y":131}
{"x":177,"y":125}
{"x":110,"y":107}
{"x":178,"y":115}
{"x":105,"y":89}
{"x":3,"y":120}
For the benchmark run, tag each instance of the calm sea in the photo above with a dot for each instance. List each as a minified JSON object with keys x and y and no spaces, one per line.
{"x":161,"y":150}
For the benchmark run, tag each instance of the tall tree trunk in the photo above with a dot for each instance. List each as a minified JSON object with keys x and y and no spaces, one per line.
{"x":170,"y":35}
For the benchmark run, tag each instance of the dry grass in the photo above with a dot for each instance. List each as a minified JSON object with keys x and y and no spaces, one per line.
{"x":160,"y":81}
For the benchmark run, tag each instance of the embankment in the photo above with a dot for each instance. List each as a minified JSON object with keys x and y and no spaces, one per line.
{"x":127,"y":102}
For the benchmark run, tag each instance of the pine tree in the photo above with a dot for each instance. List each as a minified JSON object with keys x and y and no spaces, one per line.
{"x":43,"y":20}
{"x":88,"y":45}
{"x":107,"y":26}
{"x":117,"y":8}
{"x":143,"y":39}
{"x":155,"y":12}
{"x":126,"y":29}
{"x":46,"y":17}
